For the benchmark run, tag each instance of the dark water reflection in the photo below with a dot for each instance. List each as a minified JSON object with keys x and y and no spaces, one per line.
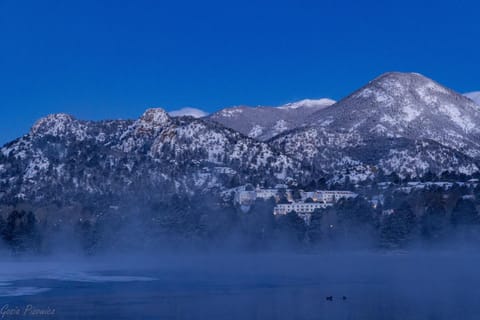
{"x":377,"y":286}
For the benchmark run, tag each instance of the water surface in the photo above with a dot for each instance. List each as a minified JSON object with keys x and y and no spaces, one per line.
{"x":261,"y":286}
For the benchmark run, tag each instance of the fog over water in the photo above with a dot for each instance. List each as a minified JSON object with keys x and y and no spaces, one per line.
{"x":376,"y":285}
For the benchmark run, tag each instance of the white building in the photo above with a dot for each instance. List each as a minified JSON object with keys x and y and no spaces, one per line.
{"x":327,"y":196}
{"x":244,"y":197}
{"x":320,"y":198}
{"x":266,"y":193}
{"x":299,"y":207}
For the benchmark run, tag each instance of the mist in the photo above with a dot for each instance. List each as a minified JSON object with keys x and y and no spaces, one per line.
{"x":199,"y":259}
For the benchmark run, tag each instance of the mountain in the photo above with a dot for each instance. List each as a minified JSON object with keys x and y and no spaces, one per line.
{"x":187,"y":111}
{"x":399,"y":122}
{"x":475,"y":96}
{"x":263,"y":123}
{"x":66,"y":160}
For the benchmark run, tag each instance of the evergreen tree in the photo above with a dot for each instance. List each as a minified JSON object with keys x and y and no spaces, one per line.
{"x":3,"y":225}
{"x":291,"y":227}
{"x":465,"y":214}
{"x":314,"y":229}
{"x":20,"y":231}
{"x":434,"y":221}
{"x":87,"y":233}
{"x":258,"y":224}
{"x":356,"y":211}
{"x":396,"y":229}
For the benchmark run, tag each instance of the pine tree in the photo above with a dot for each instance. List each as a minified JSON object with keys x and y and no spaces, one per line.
{"x":314,"y":232}
{"x":434,"y":221}
{"x":20,"y":231}
{"x":465,"y":214}
{"x":396,"y":229}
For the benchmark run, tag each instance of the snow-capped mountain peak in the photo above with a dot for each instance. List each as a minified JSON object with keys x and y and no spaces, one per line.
{"x":188,"y":111}
{"x":263,"y":123}
{"x":153,"y":156}
{"x":399,"y":99}
{"x":155,"y":116}
{"x":398,"y":121}
{"x":53,"y":123}
{"x":309,"y":103}
{"x":385,"y":89}
{"x":152,"y":120}
{"x":59,"y":124}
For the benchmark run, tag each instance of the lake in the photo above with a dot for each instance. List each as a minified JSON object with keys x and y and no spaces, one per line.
{"x":420,"y":285}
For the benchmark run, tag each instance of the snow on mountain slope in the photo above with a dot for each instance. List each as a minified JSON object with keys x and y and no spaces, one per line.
{"x":394,"y":106}
{"x":309,"y":103}
{"x":399,"y":123}
{"x":64,"y":159}
{"x":475,"y":96}
{"x":187,"y":111}
{"x":407,"y":105}
{"x":263,"y":123}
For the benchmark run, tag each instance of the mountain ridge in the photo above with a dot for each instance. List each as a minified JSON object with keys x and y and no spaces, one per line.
{"x":262,"y":122}
{"x":155,"y":152}
{"x":393,"y":105}
{"x":398,"y":123}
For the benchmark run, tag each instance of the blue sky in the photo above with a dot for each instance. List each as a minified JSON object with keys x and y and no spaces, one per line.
{"x":113,"y":59}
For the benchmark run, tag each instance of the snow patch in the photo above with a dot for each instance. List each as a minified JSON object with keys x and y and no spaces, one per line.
{"x":309,"y":103}
{"x":192,"y":112}
{"x":411,"y":113}
{"x":280,"y":126}
{"x":230,"y":112}
{"x":256,"y":131}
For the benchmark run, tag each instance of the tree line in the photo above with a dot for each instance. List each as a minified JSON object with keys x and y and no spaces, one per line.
{"x":428,"y":216}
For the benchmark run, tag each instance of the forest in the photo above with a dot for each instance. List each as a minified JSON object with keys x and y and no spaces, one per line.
{"x":432,"y":216}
